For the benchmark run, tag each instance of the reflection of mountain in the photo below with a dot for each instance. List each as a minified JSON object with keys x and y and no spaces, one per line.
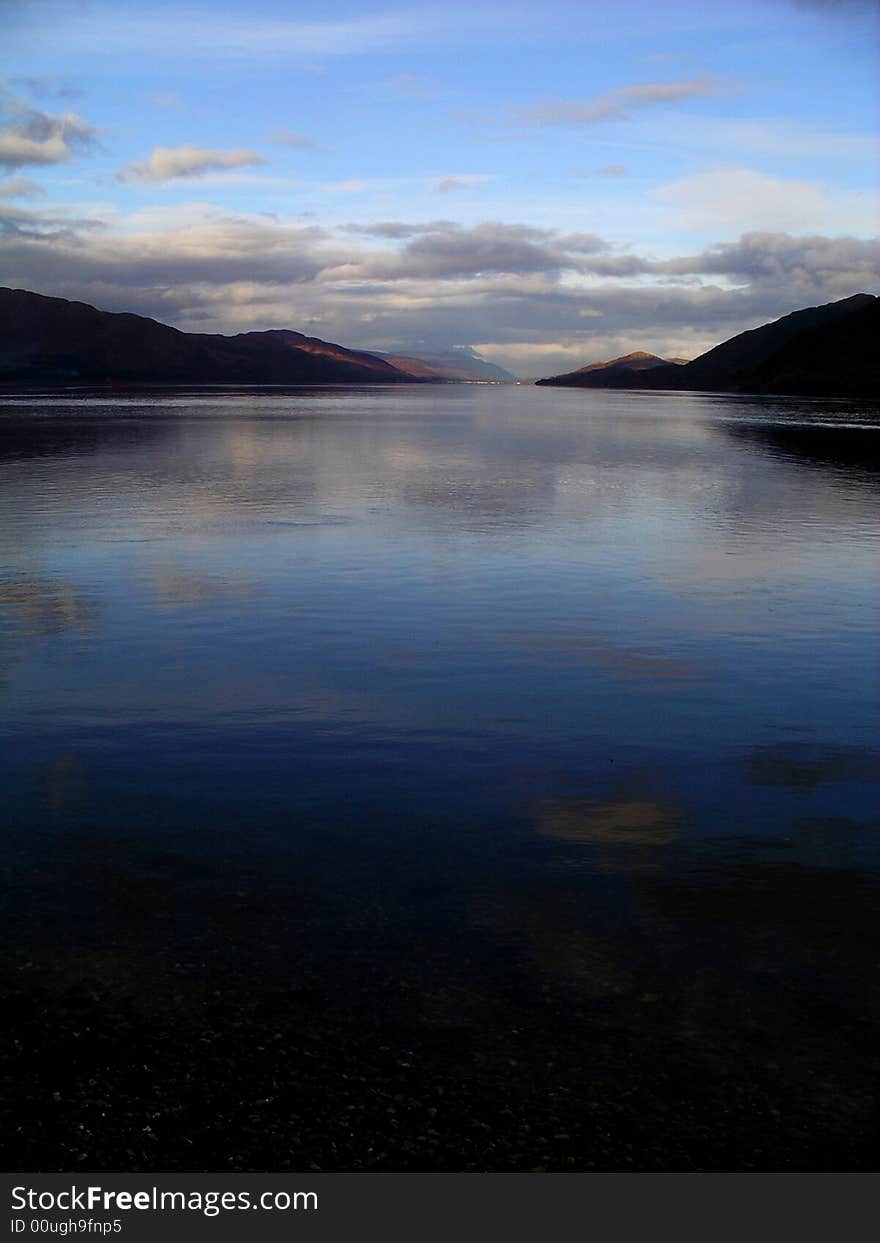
{"x":820,"y":445}
{"x":53,"y":339}
{"x":23,"y":437}
{"x":789,"y":897}
{"x":822,"y":350}
{"x":808,"y":765}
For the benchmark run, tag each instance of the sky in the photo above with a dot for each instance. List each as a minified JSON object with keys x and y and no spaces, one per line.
{"x":546,"y":184}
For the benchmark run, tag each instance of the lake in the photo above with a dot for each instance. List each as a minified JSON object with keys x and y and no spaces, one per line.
{"x":517,"y":747}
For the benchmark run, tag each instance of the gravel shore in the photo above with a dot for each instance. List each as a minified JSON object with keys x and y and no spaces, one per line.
{"x":282,"y":1082}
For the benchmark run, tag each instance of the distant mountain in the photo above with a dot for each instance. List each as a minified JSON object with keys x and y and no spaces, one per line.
{"x":828,"y":350}
{"x":599,"y":373}
{"x":448,"y":365}
{"x":45,"y":339}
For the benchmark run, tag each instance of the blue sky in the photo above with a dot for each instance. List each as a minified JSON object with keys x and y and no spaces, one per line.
{"x":547,"y":184}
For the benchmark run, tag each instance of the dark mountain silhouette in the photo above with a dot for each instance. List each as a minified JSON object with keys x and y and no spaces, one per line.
{"x":452,"y":364}
{"x":45,"y":339}
{"x":837,"y":358}
{"x":597,"y":373}
{"x":828,"y":350}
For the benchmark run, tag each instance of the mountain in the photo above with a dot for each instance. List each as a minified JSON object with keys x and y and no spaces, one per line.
{"x":828,"y":350}
{"x":598,"y":373}
{"x":454,"y":364}
{"x":44,"y":339}
{"x":838,"y":358}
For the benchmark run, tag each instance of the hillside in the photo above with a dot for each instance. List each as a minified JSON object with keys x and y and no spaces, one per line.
{"x":453,"y":364}
{"x":596,"y":373}
{"x":44,"y":339}
{"x":823,"y":351}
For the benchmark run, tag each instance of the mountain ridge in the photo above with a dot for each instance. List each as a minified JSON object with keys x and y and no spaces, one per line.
{"x":637,"y":360}
{"x":451,"y":365}
{"x":827,"y":350}
{"x":45,"y":338}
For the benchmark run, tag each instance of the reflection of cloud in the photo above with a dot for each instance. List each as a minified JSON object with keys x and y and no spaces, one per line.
{"x":43,"y":607}
{"x":647,"y":667}
{"x":623,"y":822}
{"x":184,"y":591}
{"x":475,"y":495}
{"x":808,"y":765}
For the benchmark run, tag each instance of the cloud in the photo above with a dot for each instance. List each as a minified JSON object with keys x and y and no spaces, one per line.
{"x":49,"y":224}
{"x":167,"y":163}
{"x":729,"y":137}
{"x":111,"y":29}
{"x":537,"y":300}
{"x":210,"y":250}
{"x":291,"y":138}
{"x":734,"y":200}
{"x":396,"y":229}
{"x":583,"y":243}
{"x":35,"y":137}
{"x":460,"y":182}
{"x":617,"y":104}
{"x":610,"y":170}
{"x":48,"y":88}
{"x":20,"y":188}
{"x":464,"y":253}
{"x":170,"y":99}
{"x":824,"y":267}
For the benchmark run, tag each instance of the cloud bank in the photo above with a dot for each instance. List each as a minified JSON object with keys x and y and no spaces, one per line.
{"x":533,"y":299}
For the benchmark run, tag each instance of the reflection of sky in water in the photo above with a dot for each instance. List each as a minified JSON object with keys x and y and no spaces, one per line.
{"x":499,"y":635}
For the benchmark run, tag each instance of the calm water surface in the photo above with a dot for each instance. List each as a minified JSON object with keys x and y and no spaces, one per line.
{"x":449,"y":701}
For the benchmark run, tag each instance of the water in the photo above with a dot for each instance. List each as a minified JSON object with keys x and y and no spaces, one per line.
{"x":478,"y":710}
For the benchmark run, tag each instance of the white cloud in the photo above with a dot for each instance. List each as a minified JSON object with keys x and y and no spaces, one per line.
{"x":739,"y":200}
{"x":167,"y":163}
{"x":768,"y":137}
